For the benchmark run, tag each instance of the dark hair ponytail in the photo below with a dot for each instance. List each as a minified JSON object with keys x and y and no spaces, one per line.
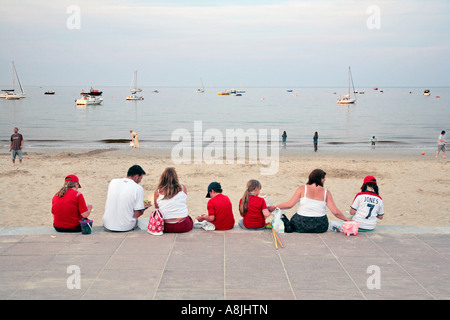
{"x":374,"y":186}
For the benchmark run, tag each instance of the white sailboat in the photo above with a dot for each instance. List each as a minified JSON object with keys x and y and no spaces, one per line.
{"x":346,"y":98}
{"x":134,"y":89}
{"x":10,"y":94}
{"x":202,"y":89}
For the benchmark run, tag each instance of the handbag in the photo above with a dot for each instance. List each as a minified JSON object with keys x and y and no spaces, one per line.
{"x":156,"y":223}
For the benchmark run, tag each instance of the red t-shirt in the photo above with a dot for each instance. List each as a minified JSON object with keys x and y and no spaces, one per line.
{"x":220,"y":206}
{"x":254,"y":217}
{"x":67,"y":209}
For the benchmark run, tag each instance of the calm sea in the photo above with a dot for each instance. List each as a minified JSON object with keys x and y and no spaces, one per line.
{"x":398,"y":118}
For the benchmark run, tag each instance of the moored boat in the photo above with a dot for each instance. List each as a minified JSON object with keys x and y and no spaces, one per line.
{"x":346,"y":99}
{"x":92,"y":92}
{"x":87,"y":100}
{"x":134,"y":89}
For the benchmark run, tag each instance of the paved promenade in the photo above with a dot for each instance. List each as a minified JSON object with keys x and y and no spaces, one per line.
{"x":394,"y":262}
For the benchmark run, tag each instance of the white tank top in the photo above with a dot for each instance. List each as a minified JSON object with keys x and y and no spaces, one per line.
{"x":173,"y":208}
{"x":312,"y":208}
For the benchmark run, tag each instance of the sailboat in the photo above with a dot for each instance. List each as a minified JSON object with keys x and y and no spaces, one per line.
{"x":346,"y":99}
{"x":10,"y":94}
{"x":202,"y":89}
{"x":134,"y":89}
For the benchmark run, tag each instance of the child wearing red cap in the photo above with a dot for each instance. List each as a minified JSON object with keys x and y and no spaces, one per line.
{"x":367,"y":205}
{"x":69,"y":206}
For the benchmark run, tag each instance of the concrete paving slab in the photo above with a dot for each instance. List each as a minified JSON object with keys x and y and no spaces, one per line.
{"x":224,"y":265}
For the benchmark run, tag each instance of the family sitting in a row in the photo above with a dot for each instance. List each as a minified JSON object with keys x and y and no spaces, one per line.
{"x":125,"y":204}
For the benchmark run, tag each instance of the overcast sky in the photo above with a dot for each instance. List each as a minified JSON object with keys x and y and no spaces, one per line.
{"x":226,"y":43}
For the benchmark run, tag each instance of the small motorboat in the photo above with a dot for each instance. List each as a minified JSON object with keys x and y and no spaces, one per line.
{"x":49,"y":92}
{"x":225,"y":93}
{"x":92,"y":92}
{"x":87,"y":100}
{"x":426,"y":92}
{"x":133,"y":96}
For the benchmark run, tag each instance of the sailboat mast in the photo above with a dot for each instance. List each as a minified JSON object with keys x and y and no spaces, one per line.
{"x":349,"y":77}
{"x":13,"y":78}
{"x":18,"y":79}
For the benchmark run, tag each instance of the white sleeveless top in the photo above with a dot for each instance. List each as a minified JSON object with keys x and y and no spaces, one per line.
{"x":173,"y":208}
{"x":312,"y":208}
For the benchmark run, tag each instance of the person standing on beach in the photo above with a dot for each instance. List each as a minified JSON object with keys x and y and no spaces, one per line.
{"x":315,"y":140}
{"x":284,"y":137}
{"x":373,"y":141}
{"x":134,"y":139}
{"x":441,"y":145}
{"x":125,"y":202}
{"x":220,"y":209}
{"x":16,"y":146}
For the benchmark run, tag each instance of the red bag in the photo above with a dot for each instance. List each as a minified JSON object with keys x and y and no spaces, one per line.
{"x":156,"y":223}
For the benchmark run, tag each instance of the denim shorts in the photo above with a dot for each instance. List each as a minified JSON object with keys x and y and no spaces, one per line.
{"x":16,"y":152}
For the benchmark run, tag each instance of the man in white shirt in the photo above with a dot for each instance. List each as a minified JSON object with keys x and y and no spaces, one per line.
{"x":125,"y":201}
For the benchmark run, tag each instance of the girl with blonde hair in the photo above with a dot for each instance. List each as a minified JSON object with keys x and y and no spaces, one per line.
{"x":253,"y":208}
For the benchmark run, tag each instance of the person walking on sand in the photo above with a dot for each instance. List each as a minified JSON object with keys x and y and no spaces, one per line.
{"x":16,"y":146}
{"x":441,"y":145}
{"x":134,"y":140}
{"x":315,"y":140}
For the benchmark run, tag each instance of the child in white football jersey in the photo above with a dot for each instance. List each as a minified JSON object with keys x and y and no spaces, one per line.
{"x":367,"y":206}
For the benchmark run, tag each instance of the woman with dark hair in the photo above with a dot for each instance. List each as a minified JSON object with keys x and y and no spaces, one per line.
{"x":170,"y":199}
{"x":312,"y":199}
{"x":367,"y":205}
{"x":69,"y":206}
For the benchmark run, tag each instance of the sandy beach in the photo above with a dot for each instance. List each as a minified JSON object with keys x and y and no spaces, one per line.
{"x":414,"y":188}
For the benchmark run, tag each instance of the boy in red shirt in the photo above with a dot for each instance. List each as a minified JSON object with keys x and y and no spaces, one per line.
{"x":220,"y":209}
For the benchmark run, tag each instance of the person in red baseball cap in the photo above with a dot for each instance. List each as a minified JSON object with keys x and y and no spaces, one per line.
{"x":367,"y":205}
{"x":69,"y":206}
